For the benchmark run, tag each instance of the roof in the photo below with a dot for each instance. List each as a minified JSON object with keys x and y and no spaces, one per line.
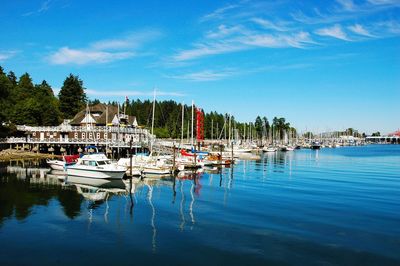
{"x":104,"y":114}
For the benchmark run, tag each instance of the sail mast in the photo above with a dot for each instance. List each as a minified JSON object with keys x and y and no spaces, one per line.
{"x":154,"y":108}
{"x":183,"y":116}
{"x":192,"y":142}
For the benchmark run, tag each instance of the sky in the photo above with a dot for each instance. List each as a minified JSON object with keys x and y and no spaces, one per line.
{"x":323,"y":65}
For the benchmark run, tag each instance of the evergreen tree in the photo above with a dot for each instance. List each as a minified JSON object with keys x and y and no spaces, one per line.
{"x":11,"y":76}
{"x":5,"y":88}
{"x":48,"y":103}
{"x":72,"y":96}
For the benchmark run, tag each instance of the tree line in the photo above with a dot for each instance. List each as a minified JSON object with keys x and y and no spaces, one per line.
{"x":24,"y":103}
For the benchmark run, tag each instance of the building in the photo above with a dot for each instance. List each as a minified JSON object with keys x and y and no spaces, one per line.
{"x":101,"y":125}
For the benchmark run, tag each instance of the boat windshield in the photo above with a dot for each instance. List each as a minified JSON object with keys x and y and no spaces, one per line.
{"x":102,"y":162}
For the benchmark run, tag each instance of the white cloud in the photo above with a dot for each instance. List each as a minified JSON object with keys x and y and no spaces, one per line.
{"x":42,"y":9}
{"x":269,"y":25}
{"x":206,"y":75}
{"x":347,"y":5}
{"x":390,"y":26}
{"x":103,"y":51}
{"x":385,"y":2}
{"x":218,"y":13}
{"x":297,"y":40}
{"x":359,"y":29}
{"x":66,"y":55}
{"x":334,"y":31}
{"x":225,"y":31}
{"x":5,"y":55}
{"x":202,"y":50}
{"x":130,"y":41}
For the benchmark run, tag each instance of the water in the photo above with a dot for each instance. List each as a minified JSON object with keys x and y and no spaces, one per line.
{"x":329,"y":207}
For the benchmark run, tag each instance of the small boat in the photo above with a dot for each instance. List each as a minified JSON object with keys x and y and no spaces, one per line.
{"x":315,"y":145}
{"x":61,"y":164}
{"x":287,"y":148}
{"x":269,"y":149}
{"x":96,"y":166}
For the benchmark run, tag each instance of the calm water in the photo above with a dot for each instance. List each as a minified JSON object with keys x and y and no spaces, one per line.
{"x":329,"y":207}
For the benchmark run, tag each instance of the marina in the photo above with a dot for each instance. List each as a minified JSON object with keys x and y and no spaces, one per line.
{"x":200,"y":133}
{"x":328,"y":205}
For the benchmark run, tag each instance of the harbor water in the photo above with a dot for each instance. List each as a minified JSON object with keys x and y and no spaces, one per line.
{"x":338,"y":206}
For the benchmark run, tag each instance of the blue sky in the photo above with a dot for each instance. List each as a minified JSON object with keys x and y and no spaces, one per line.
{"x":323,"y":65}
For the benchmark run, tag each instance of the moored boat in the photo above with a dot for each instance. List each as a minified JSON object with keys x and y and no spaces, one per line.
{"x":96,"y":166}
{"x":60,"y":165}
{"x":269,"y":149}
{"x":315,"y":145}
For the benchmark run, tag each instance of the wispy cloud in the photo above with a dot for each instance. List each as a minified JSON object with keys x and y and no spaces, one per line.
{"x":5,"y":55}
{"x":385,"y":2}
{"x":201,"y":50}
{"x":218,"y":13}
{"x":269,"y":25}
{"x":249,"y":40}
{"x":65,"y":55}
{"x":297,"y":40}
{"x":45,"y":5}
{"x":334,"y":31}
{"x":102,"y":51}
{"x":224,"y":31}
{"x":250,"y":25}
{"x":347,"y":5}
{"x":205,"y":75}
{"x":360,"y":30}
{"x":131,"y":93}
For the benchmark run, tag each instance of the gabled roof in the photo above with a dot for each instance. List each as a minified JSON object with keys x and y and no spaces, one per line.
{"x":106,"y":116}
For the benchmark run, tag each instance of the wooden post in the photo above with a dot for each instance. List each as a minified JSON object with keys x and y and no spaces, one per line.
{"x":231,"y":153}
{"x":173,"y":160}
{"x":220,"y":152}
{"x":130,"y":157}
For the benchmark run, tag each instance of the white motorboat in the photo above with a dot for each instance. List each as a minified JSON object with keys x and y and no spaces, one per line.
{"x":56,"y":164}
{"x":60,"y":165}
{"x":287,"y":148}
{"x":269,"y":149}
{"x":96,"y":166}
{"x":146,"y":165}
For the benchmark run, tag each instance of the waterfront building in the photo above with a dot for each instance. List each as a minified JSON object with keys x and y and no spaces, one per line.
{"x":101,"y":125}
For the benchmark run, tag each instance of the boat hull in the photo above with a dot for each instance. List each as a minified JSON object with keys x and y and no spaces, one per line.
{"x":56,"y":165}
{"x":96,"y":173}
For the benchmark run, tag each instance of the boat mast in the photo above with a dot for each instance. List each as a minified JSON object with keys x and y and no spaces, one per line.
{"x":212,"y":129}
{"x":192,"y":141}
{"x":106,"y":128}
{"x":183,"y":116}
{"x":229,"y":128}
{"x":154,"y":108}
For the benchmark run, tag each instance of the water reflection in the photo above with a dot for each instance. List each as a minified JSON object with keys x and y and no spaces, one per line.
{"x":23,"y":187}
{"x":292,"y":208}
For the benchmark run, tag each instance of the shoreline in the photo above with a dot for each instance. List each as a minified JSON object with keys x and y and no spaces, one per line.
{"x":13,"y":154}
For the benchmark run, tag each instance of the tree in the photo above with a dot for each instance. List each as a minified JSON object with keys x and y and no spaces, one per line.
{"x":72,"y":96}
{"x":5,"y":89}
{"x":308,"y":135}
{"x":376,"y":134}
{"x":93,"y":102}
{"x":48,"y":104}
{"x":11,"y":76}
{"x":258,"y":124}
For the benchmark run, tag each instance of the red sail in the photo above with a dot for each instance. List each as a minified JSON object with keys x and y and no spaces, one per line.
{"x":199,"y":124}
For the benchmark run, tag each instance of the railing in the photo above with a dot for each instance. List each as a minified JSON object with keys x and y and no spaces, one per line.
{"x":113,"y":143}
{"x":69,"y":128}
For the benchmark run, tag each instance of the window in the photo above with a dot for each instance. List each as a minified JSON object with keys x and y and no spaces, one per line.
{"x":92,"y":163}
{"x":101,"y":162}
